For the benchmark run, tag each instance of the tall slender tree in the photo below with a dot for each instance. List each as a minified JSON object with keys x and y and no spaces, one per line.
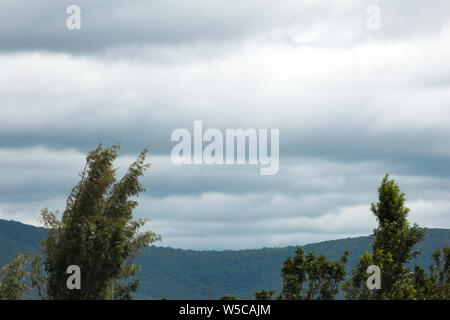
{"x":394,"y":239}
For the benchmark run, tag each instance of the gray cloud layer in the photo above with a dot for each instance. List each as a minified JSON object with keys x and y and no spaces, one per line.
{"x":351,"y":104}
{"x":40,"y":25}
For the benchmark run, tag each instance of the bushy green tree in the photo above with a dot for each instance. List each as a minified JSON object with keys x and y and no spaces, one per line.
{"x":310,"y":276}
{"x":12,"y":278}
{"x":434,"y":285}
{"x":97,"y":232}
{"x":394,"y":239}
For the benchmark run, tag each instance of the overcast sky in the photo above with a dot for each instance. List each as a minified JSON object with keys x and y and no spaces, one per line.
{"x":352,"y":104}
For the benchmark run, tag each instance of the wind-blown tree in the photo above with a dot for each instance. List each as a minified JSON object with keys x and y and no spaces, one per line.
{"x":393,"y":244}
{"x":97,"y":232}
{"x":311,"y":277}
{"x":12,"y":278}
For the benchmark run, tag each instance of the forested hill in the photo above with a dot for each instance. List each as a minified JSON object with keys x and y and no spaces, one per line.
{"x":192,"y":274}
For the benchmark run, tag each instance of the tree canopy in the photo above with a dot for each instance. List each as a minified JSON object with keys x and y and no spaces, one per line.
{"x":97,"y":232}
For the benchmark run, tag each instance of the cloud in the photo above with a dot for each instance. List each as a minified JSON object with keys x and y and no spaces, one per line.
{"x":225,"y":207}
{"x":84,"y":100}
{"x":351,"y":104}
{"x":117,"y":24}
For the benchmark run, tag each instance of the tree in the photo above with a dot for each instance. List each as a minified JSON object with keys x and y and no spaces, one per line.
{"x":356,"y":288}
{"x":392,"y":248}
{"x":310,"y":276}
{"x":265,"y":295}
{"x":96,"y":232}
{"x":436,"y":284}
{"x":12,"y":277}
{"x":228,"y":296}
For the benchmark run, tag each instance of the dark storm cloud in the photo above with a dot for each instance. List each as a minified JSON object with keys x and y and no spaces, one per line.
{"x":41,"y":25}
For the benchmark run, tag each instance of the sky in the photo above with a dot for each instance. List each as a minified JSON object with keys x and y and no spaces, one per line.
{"x":352,"y":102}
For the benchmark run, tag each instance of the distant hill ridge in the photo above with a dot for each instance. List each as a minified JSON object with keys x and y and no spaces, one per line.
{"x":192,"y":274}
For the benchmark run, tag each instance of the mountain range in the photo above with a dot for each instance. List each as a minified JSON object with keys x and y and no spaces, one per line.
{"x":195,"y":274}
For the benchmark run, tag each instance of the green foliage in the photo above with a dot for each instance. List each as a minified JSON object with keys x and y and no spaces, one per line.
{"x":228,"y":296}
{"x":190,"y":274}
{"x":265,"y":295}
{"x":312,"y":277}
{"x":96,"y":232}
{"x":356,"y":287}
{"x":12,"y":278}
{"x":394,"y":240}
{"x":436,"y":284}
